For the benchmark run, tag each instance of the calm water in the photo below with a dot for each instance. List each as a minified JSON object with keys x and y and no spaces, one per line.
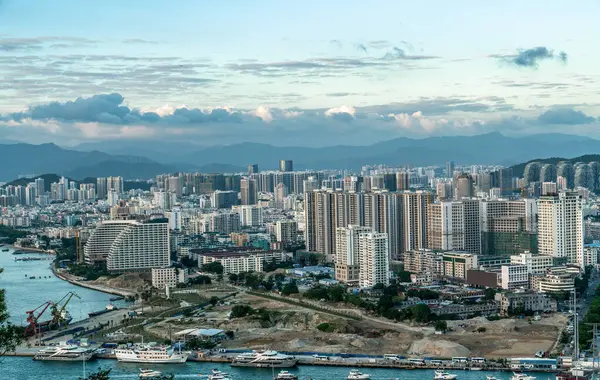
{"x":25,"y":368}
{"x":23,"y":294}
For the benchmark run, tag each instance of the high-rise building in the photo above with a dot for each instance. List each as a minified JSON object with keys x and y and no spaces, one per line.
{"x":464,"y":186}
{"x":224,"y":199}
{"x":347,"y":254}
{"x":286,"y":166}
{"x":224,"y":222}
{"x":286,"y":231}
{"x":374,"y":259}
{"x":413,"y":220}
{"x":114,"y":183}
{"x":281,"y":191}
{"x":548,"y":173}
{"x":250,"y":215}
{"x":40,"y":186}
{"x":531,"y":173}
{"x":402,"y":181}
{"x":101,"y":188}
{"x":509,"y":226}
{"x":449,"y":169}
{"x":176,"y":185}
{"x":248,"y":191}
{"x":252,"y":169}
{"x":455,"y":225}
{"x":584,"y":176}
{"x":129,"y":245}
{"x":566,"y":171}
{"x":560,"y":226}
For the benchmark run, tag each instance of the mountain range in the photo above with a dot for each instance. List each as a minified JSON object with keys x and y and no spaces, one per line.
{"x":141,"y":159}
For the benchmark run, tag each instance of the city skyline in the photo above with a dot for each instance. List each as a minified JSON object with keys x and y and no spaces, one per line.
{"x":216,"y":74}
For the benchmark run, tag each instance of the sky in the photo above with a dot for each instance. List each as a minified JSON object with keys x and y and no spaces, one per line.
{"x":306,"y":73}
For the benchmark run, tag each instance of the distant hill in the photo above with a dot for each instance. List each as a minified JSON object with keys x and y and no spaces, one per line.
{"x":520,"y":168}
{"x":491,"y":148}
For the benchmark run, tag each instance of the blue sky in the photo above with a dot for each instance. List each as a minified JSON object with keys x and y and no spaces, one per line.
{"x":295,"y":72}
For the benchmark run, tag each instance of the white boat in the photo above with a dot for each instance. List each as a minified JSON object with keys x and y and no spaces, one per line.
{"x":490,"y":377}
{"x":266,"y":359}
{"x":357,"y":375}
{"x":218,"y":377}
{"x":441,"y":375}
{"x":285,"y":375}
{"x":65,"y":353}
{"x":522,"y":376}
{"x":217,"y":372}
{"x":150,"y":353}
{"x":149,"y":373}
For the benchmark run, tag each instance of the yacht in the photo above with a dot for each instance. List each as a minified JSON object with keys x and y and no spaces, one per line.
{"x":490,"y":377}
{"x":285,"y":375}
{"x":219,"y":377}
{"x":441,"y":375}
{"x":150,"y":353}
{"x":357,"y":375}
{"x":149,"y":373}
{"x":521,"y":376}
{"x":65,"y":353}
{"x":266,"y":359}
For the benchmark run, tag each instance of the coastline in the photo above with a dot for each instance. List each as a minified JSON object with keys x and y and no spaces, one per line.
{"x":84,"y":284}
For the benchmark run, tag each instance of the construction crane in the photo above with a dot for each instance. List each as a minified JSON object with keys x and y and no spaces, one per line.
{"x":59,"y":314}
{"x":32,"y":319}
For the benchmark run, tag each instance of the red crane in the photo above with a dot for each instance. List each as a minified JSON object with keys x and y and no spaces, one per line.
{"x":32,"y":319}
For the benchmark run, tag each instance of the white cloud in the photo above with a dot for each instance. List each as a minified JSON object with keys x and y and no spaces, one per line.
{"x":264,"y":113}
{"x":338,"y":110}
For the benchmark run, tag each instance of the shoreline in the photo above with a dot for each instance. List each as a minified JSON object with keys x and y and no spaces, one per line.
{"x":99,"y":288}
{"x":365,"y":364}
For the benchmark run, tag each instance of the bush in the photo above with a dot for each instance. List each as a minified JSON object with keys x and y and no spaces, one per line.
{"x":326,"y":327}
{"x":240,"y":311}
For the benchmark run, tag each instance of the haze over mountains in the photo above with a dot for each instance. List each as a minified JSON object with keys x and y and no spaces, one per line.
{"x":142,"y":159}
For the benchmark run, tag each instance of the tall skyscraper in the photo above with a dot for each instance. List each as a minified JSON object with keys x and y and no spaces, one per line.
{"x":560,"y":226}
{"x":374,"y":259}
{"x":286,"y":231}
{"x":531,"y":173}
{"x":449,"y":169}
{"x":455,"y":225}
{"x":248,"y":191}
{"x":252,"y":169}
{"x":40,"y":186}
{"x":464,"y":186}
{"x":281,"y":191}
{"x":347,"y":254}
{"x":101,"y":188}
{"x":567,"y":172}
{"x":176,"y":185}
{"x":250,"y":215}
{"x":286,"y":166}
{"x":114,"y":183}
{"x":414,"y":220}
{"x":402,"y":181}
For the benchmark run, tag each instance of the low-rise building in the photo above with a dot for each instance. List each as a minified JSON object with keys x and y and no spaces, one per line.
{"x":168,"y":277}
{"x":465,"y":311}
{"x":514,"y":277}
{"x":456,"y":264}
{"x":526,"y":301}
{"x":424,"y":260}
{"x":554,"y":283}
{"x":237,"y":262}
{"x":535,"y":264}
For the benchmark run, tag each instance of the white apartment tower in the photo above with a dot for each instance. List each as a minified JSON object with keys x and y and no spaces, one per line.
{"x":347,"y":254}
{"x":250,"y":215}
{"x":374,"y":259}
{"x":129,"y":245}
{"x":560,"y":226}
{"x":286,"y":231}
{"x":455,"y":225}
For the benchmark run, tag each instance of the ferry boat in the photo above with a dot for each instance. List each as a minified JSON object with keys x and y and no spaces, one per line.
{"x":149,"y":374}
{"x":65,"y":353}
{"x":441,"y":375}
{"x":522,"y":376}
{"x":285,"y":375}
{"x":357,"y":375}
{"x":266,"y":359}
{"x":150,"y":353}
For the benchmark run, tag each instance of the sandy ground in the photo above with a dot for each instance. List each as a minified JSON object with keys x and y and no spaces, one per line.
{"x":294,"y":329}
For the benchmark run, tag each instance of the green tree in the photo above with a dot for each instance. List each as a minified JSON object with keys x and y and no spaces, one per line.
{"x":290,"y":288}
{"x":421,"y":313}
{"x":240,"y":311}
{"x":10,"y":335}
{"x":233,"y":278}
{"x":214,"y":267}
{"x":490,"y":293}
{"x":441,"y":326}
{"x":336,"y":293}
{"x":214,"y":300}
{"x":403,"y":276}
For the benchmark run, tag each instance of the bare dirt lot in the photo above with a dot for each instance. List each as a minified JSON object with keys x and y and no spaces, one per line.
{"x":294,"y":328}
